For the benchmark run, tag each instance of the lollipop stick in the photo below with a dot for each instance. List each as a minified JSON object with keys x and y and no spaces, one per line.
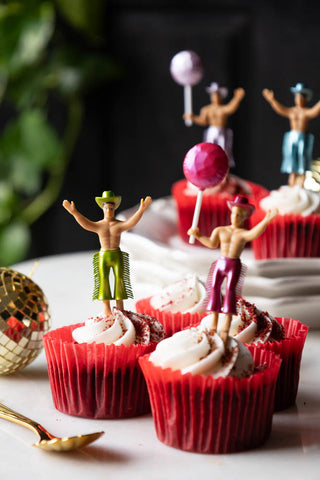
{"x":196,"y":214}
{"x":187,"y":94}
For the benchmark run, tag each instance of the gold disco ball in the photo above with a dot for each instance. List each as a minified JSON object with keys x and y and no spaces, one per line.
{"x":24,"y":318}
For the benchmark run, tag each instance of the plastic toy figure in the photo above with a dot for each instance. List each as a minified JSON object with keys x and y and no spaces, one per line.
{"x":297,"y":144}
{"x":215,"y":116}
{"x":110,"y":256}
{"x":232,"y":240}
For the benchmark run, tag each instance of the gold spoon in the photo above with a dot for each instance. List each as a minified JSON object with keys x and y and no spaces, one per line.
{"x":47,"y":441}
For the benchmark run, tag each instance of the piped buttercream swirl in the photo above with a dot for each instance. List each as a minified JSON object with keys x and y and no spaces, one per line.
{"x":121,"y":327}
{"x":186,"y":295}
{"x":294,"y":200}
{"x":196,"y":350}
{"x":251,"y":325}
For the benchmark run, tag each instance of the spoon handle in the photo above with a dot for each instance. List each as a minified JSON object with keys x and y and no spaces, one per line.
{"x":9,"y":414}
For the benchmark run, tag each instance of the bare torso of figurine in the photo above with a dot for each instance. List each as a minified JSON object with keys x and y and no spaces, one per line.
{"x":232,"y":241}
{"x":298,"y":119}
{"x":216,"y":115}
{"x":109,"y":233}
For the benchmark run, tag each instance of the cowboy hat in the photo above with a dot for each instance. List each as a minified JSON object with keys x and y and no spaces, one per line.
{"x":242,"y":202}
{"x":109,"y":197}
{"x":215,"y":87}
{"x":303,"y":89}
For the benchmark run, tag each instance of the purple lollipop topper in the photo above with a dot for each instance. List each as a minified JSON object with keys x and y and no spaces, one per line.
{"x":186,"y":68}
{"x":205,"y":165}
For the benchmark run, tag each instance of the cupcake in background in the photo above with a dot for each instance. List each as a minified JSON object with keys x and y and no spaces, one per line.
{"x":178,"y":305}
{"x":208,"y":396}
{"x":283,"y":336}
{"x":214,"y":208}
{"x":296,"y":230}
{"x":93,"y":367}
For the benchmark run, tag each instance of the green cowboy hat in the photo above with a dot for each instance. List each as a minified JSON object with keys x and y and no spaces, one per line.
{"x":109,"y":197}
{"x":303,"y":89}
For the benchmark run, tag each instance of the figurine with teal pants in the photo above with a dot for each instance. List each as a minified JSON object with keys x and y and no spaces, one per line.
{"x":297,"y":144}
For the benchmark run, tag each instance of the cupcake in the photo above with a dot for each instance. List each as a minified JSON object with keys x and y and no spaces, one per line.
{"x":176,"y":306}
{"x":283,"y":336}
{"x":93,"y":368}
{"x":208,"y":398}
{"x":214,"y":208}
{"x":295,"y":232}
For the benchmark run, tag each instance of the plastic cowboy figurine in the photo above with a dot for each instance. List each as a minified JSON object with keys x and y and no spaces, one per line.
{"x":297,"y":144}
{"x":232,"y":240}
{"x":110,"y":256}
{"x":215,"y":116}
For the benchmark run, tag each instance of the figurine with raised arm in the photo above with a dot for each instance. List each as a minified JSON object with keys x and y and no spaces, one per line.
{"x":232,"y":240}
{"x":215,"y":117}
{"x":297,"y":144}
{"x":109,"y":231}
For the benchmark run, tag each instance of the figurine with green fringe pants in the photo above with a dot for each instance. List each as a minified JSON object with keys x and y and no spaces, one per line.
{"x":109,"y":231}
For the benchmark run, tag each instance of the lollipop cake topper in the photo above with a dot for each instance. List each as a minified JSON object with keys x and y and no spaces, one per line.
{"x":205,"y":165}
{"x":187,"y":70}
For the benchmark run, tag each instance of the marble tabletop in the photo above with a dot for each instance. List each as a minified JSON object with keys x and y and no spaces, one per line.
{"x":130,"y":446}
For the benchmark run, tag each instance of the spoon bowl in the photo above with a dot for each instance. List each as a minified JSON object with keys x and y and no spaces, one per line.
{"x":48,"y":441}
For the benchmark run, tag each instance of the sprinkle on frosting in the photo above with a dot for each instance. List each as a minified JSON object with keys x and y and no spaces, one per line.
{"x":196,"y":350}
{"x":251,"y":325}
{"x":120,"y":327}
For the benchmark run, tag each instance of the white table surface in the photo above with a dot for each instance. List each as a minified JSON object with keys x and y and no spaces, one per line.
{"x":130,"y":448}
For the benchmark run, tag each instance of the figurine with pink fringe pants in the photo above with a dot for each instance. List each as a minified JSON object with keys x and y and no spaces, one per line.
{"x":231,"y":239}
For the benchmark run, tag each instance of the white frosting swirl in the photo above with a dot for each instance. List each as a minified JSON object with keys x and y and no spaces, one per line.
{"x":197,"y":351}
{"x":251,"y":325}
{"x":186,"y":295}
{"x":120,"y":328}
{"x":294,"y":199}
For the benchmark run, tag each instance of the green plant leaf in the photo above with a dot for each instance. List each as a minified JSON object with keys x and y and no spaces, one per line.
{"x":14,"y":242}
{"x":29,"y":147}
{"x":86,"y":16}
{"x":25,"y":32}
{"x":8,"y":202}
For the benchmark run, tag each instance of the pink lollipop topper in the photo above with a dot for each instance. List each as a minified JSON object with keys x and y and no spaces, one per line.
{"x":205,"y":165}
{"x":187,"y":70}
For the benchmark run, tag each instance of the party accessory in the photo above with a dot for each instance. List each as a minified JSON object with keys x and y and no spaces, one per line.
{"x":109,"y":197}
{"x":187,"y":70}
{"x":205,"y":165}
{"x":24,"y":318}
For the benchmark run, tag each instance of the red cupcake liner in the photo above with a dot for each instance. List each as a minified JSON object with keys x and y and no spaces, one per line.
{"x":290,"y":351}
{"x":214,"y":208}
{"x":95,"y":380}
{"x":206,"y":415}
{"x":288,"y":236}
{"x":172,"y":322}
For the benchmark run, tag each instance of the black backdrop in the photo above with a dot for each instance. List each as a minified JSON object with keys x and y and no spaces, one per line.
{"x":133,"y":139}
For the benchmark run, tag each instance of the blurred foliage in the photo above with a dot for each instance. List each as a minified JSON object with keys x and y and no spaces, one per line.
{"x":39,"y":64}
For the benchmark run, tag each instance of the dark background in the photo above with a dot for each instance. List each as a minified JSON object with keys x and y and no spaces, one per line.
{"x":133,"y":140}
